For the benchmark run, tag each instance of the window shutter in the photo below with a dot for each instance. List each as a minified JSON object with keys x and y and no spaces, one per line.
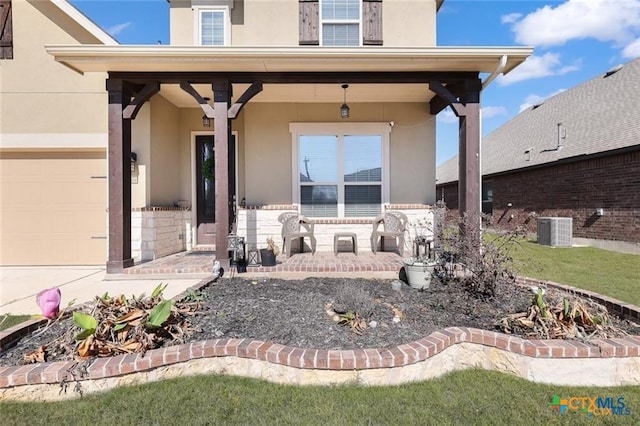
{"x":309,"y":22}
{"x":6,"y":30}
{"x":372,"y":22}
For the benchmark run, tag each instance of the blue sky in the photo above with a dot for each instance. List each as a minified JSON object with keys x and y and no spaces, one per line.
{"x":574,"y":41}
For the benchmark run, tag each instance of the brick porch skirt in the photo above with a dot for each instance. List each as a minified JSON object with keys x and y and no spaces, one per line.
{"x":600,"y":362}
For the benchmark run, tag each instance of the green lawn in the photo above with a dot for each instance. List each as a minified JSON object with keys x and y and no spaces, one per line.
{"x":7,"y":321}
{"x":614,"y":274}
{"x":456,"y":399}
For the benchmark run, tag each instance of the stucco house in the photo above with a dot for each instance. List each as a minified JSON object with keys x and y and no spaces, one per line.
{"x":575,"y":155}
{"x":131,"y":153}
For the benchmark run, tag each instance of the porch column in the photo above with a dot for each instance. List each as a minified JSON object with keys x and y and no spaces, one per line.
{"x":119,"y":158}
{"x":221,"y":102}
{"x":469,"y":173}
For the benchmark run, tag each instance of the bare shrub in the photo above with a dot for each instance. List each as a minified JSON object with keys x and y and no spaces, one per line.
{"x":356,"y":299}
{"x":486,"y":263}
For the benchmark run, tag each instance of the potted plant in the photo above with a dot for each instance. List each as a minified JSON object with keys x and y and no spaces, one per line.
{"x":418,"y":268}
{"x":268,"y":255}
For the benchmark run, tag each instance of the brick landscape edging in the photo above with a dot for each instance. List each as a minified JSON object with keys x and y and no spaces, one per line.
{"x":398,"y":357}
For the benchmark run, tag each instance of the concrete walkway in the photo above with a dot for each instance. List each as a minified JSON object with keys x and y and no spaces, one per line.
{"x":20,"y":285}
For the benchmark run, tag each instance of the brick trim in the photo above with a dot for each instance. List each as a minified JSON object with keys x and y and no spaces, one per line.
{"x":321,"y":359}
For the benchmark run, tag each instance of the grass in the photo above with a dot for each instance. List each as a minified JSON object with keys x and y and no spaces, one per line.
{"x":8,"y":320}
{"x":454,"y":399}
{"x":602,"y":271}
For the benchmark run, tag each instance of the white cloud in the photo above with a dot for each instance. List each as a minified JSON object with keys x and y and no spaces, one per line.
{"x":534,"y":99}
{"x":447,"y":116}
{"x":632,"y":50}
{"x":493,"y":111}
{"x":511,"y":18}
{"x":538,"y":66}
{"x":117,"y":29}
{"x":615,"y":21}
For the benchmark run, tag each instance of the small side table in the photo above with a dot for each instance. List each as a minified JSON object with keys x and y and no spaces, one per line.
{"x":351,"y":235}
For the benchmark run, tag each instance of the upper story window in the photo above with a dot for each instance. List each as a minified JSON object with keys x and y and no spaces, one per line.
{"x":214,"y":26}
{"x":341,"y":22}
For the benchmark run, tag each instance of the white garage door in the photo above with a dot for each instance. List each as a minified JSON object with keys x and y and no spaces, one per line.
{"x":53,"y":208}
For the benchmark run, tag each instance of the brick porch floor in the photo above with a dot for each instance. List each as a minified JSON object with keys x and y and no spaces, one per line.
{"x":201,"y":262}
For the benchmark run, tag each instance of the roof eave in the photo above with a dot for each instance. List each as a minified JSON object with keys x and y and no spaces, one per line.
{"x":97,"y":58}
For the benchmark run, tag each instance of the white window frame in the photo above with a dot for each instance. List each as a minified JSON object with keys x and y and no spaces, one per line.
{"x":198,"y":11}
{"x":341,"y":21}
{"x":340,"y":129}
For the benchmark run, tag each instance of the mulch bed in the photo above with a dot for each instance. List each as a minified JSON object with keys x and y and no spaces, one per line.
{"x":294,"y":313}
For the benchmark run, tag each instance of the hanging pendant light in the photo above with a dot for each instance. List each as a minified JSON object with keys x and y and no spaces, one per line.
{"x":206,"y":121}
{"x":344,"y":108}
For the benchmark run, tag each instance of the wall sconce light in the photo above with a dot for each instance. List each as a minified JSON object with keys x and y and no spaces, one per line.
{"x":599,"y":212}
{"x":206,"y":121}
{"x":509,"y":204}
{"x":134,"y":162}
{"x":344,"y":108}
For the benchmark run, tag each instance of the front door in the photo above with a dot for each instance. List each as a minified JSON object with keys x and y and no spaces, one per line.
{"x":205,"y":187}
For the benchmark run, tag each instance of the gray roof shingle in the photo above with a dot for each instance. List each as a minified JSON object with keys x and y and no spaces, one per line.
{"x":602,"y":114}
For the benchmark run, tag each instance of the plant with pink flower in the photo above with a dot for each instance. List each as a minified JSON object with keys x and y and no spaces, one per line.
{"x":49,"y":302}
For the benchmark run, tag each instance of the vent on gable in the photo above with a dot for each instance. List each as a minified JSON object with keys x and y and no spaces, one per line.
{"x":538,"y":105}
{"x":613,"y":70}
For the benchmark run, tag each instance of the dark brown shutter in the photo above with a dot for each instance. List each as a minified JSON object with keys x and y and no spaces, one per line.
{"x":309,"y":22}
{"x":372,"y":22}
{"x":6,"y":30}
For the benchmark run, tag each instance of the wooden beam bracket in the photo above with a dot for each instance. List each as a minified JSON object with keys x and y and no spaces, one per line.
{"x":131,"y":110}
{"x":253,"y":90}
{"x":206,"y":108}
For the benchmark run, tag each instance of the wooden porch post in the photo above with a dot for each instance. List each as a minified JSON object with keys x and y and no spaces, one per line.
{"x":119,"y":158}
{"x":221,"y":102}
{"x":469,"y":190}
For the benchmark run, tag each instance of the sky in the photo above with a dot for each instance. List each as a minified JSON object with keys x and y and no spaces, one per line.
{"x":573,"y":40}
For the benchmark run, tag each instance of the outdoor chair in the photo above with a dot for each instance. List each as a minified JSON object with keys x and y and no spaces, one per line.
{"x":298,"y":226}
{"x":283,"y":218}
{"x":394,"y":225}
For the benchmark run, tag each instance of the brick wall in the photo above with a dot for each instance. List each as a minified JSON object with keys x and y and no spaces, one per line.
{"x":573,"y":190}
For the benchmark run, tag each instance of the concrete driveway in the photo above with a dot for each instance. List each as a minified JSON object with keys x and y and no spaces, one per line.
{"x":20,"y":285}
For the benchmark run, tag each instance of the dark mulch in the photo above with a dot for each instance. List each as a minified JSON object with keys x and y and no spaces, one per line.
{"x":293,"y":312}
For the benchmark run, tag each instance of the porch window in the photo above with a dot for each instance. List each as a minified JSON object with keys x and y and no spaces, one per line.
{"x":341,"y":22}
{"x":340,"y":174}
{"x":487,"y":197}
{"x":214,"y":26}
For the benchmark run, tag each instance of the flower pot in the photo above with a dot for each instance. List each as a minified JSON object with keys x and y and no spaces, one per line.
{"x":267,"y":257}
{"x":419,"y":273}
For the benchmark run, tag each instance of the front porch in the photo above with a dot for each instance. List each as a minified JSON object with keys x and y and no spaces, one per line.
{"x":200,"y":263}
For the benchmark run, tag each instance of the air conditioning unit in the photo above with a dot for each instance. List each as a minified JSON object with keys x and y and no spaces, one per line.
{"x":555,"y":231}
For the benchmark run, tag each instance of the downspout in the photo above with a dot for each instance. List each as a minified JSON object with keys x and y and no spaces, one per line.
{"x":497,"y":72}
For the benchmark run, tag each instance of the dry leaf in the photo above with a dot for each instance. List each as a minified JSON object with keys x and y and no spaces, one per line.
{"x":39,"y":355}
{"x":86,"y":347}
{"x":133,"y":315}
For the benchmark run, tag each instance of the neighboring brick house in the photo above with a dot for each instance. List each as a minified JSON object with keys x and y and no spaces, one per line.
{"x":577,"y":154}
{"x":268,"y":77}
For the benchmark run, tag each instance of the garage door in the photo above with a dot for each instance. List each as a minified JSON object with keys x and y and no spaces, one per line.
{"x":53,"y":208}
